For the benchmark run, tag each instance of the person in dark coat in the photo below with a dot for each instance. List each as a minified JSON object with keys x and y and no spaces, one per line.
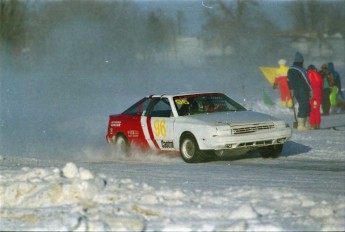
{"x":300,"y":88}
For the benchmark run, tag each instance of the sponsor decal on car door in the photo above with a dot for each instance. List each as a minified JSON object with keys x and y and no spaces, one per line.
{"x":163,"y":132}
{"x":158,"y":132}
{"x":158,"y":125}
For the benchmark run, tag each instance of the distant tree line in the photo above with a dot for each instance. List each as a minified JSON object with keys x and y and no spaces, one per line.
{"x":89,"y":32}
{"x":242,"y":26}
{"x":84,"y":32}
{"x":322,"y":16}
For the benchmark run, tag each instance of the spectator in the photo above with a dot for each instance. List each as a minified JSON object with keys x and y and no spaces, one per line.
{"x":326,"y":91}
{"x":336,"y":77}
{"x":300,"y":89}
{"x":281,"y":80}
{"x":339,"y":96}
{"x":337,"y":103}
{"x":316,"y":83}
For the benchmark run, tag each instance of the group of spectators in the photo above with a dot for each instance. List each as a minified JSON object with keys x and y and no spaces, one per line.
{"x":314,"y":90}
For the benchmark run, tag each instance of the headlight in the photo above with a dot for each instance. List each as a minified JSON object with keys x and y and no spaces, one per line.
{"x":281,"y":125}
{"x":223,"y":130}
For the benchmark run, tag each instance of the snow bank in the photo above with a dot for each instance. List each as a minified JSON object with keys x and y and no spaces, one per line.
{"x":74,"y":198}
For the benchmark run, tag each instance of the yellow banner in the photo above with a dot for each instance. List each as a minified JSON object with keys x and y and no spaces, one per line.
{"x":270,"y":73}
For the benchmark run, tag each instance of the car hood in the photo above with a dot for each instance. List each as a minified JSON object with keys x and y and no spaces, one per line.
{"x":233,"y":118}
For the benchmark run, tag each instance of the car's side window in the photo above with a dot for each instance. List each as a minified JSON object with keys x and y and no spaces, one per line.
{"x":138,"y":108}
{"x":161,"y":108}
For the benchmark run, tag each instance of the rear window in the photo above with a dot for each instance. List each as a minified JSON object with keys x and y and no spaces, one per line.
{"x":138,"y":108}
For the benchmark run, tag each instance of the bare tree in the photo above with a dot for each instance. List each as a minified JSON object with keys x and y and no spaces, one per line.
{"x":160,"y":33}
{"x":335,"y":18}
{"x":318,"y":17}
{"x":181,"y":20}
{"x":83,"y":32}
{"x":236,"y":25}
{"x":12,"y":26}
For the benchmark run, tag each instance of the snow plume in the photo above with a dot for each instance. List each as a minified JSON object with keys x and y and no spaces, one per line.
{"x":111,"y":154}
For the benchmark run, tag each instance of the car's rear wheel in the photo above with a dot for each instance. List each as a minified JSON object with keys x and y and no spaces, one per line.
{"x":272,"y":151}
{"x":190,"y":151}
{"x":121,"y":144}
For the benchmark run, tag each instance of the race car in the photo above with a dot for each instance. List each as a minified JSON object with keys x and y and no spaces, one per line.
{"x":196,"y":125}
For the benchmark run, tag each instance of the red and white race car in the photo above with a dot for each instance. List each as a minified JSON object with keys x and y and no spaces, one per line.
{"x":197,"y":125}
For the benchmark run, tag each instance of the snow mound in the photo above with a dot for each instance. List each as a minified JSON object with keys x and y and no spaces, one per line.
{"x":74,"y":198}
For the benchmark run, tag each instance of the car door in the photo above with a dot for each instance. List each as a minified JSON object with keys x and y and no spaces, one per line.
{"x":159,"y":125}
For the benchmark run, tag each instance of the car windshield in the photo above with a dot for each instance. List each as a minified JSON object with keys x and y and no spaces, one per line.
{"x":205,"y":103}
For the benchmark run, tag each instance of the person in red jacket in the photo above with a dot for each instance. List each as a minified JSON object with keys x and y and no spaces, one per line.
{"x":316,"y":83}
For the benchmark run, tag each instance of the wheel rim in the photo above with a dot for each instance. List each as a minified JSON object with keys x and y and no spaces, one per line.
{"x":188,"y":149}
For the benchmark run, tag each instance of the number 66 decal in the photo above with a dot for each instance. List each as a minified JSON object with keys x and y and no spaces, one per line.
{"x":159,"y":127}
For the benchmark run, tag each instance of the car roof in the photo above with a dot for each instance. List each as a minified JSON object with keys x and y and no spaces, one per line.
{"x":181,"y":94}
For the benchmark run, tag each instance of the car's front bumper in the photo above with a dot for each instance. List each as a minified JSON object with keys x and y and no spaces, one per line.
{"x":249,"y":140}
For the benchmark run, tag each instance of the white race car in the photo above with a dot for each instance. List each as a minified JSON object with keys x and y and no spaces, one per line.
{"x":198,"y":125}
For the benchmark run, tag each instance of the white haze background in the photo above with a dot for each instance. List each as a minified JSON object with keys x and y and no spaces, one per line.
{"x":58,"y":173}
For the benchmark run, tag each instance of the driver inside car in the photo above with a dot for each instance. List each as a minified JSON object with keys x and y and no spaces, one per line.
{"x":208,"y":106}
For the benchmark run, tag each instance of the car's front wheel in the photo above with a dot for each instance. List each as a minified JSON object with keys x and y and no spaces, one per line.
{"x":190,"y":151}
{"x":272,"y":151}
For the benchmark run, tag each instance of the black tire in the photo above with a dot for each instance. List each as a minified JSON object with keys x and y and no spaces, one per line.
{"x":190,"y":151}
{"x":272,"y":151}
{"x":121,"y":144}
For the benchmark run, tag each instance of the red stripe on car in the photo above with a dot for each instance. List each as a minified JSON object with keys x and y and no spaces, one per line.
{"x":152,"y":137}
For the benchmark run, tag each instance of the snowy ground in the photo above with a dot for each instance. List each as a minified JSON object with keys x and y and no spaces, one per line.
{"x":99,"y":190}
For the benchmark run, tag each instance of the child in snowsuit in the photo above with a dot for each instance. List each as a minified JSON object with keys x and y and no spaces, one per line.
{"x":316,"y":83}
{"x":337,"y":96}
{"x":336,"y":78}
{"x":281,"y":80}
{"x":300,"y":89}
{"x":334,"y":97}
